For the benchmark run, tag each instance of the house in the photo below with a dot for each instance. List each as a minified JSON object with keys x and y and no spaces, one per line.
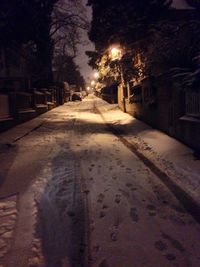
{"x":18,"y":100}
{"x":158,"y":99}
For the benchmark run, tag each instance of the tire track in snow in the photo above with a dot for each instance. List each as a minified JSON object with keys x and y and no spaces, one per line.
{"x":62,"y":223}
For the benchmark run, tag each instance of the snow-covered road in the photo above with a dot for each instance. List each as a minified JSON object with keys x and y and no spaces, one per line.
{"x":83,"y":199}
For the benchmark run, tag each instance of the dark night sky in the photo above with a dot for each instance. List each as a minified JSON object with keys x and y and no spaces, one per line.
{"x":180,"y":4}
{"x":82,"y":59}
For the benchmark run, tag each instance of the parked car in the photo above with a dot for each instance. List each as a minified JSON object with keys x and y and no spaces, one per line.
{"x":76,"y":96}
{"x":84,"y":94}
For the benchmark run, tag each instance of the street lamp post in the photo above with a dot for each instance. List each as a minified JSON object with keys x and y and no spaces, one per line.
{"x":96,"y":75}
{"x":116,"y":54}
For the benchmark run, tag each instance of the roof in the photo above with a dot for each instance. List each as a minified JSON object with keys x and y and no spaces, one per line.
{"x":181,"y":4}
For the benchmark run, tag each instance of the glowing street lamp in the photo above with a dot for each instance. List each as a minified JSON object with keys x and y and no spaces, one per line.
{"x":92,"y":83}
{"x":115,"y":53}
{"x":96,"y":75}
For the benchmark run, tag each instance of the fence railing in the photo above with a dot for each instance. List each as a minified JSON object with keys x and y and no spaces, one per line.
{"x":15,"y":102}
{"x":192,"y":104}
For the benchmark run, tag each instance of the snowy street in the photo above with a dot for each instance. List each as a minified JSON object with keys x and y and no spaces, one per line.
{"x":73,"y":194}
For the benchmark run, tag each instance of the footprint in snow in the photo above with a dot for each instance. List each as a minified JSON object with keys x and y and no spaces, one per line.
{"x":100,"y":198}
{"x":103,"y":264}
{"x":152,"y":210}
{"x":160,"y":245}
{"x":133,"y":189}
{"x":114,"y":235}
{"x":170,"y":257}
{"x":134,"y":215}
{"x":102,"y":214}
{"x":124,"y":193}
{"x":129,"y":185}
{"x":118,"y":198}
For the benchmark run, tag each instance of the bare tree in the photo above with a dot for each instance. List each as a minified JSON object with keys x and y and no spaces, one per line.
{"x":68,"y":20}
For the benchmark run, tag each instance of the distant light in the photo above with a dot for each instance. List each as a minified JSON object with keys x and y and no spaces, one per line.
{"x":92,"y":82}
{"x":96,"y":75}
{"x":88,"y":88}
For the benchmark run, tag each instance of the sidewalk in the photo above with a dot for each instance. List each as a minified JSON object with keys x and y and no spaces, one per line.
{"x":17,"y":132}
{"x":12,"y":135}
{"x":166,"y":153}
